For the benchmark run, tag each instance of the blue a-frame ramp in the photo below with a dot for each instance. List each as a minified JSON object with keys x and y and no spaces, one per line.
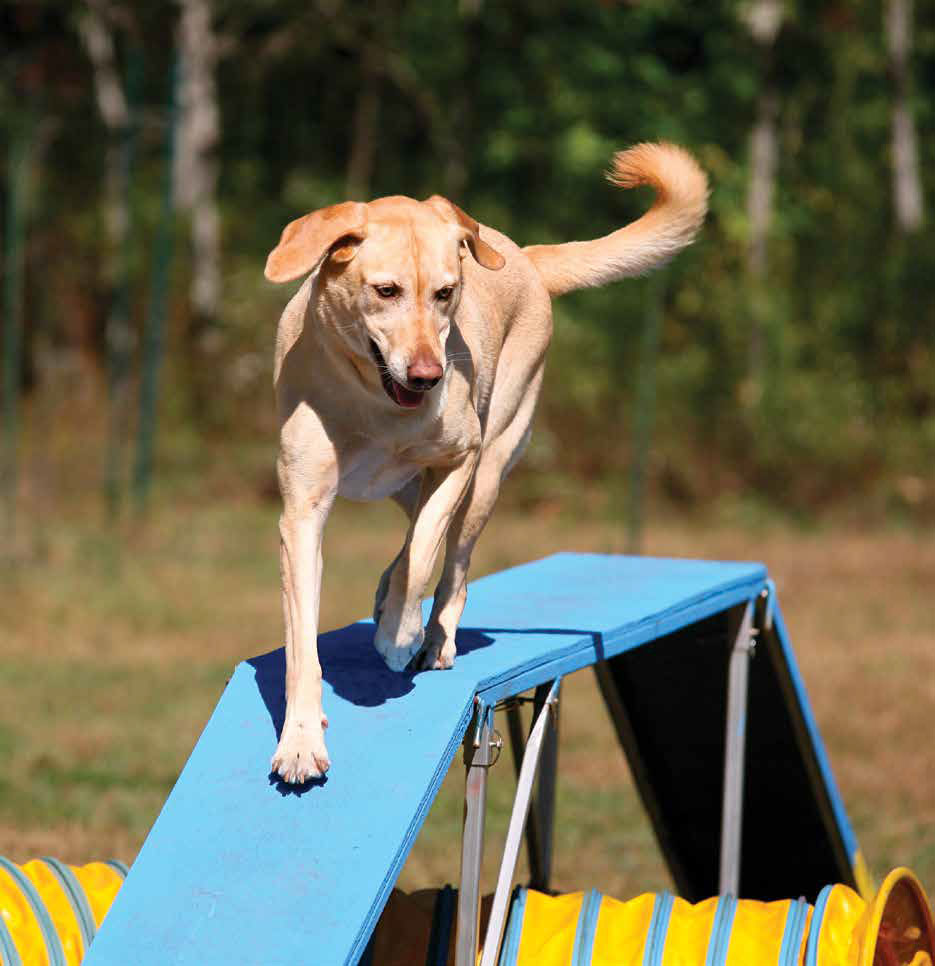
{"x":241,"y":869}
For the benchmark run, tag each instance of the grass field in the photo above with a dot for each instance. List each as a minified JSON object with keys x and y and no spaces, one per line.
{"x":115,"y":647}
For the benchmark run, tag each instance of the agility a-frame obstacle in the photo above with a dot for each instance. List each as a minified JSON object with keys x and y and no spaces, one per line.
{"x":239,"y":868}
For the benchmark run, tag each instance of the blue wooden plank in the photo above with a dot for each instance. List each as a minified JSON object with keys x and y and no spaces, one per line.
{"x":239,"y":868}
{"x":534,"y":665}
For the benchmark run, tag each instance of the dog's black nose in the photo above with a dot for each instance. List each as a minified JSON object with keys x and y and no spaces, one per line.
{"x":424,"y":372}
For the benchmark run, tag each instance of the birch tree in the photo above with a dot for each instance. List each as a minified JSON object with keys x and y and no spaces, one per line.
{"x":98,"y":40}
{"x":112,"y":105}
{"x":764,"y":18}
{"x":907,"y":185}
{"x":196,"y":168}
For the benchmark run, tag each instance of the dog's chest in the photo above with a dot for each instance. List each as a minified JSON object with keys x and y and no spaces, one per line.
{"x":374,"y":472}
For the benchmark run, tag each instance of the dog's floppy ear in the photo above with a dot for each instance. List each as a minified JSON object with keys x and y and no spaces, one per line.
{"x":306,"y":241}
{"x":483,"y":254}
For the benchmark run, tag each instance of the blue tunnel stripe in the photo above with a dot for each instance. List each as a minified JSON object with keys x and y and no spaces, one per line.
{"x":658,"y":927}
{"x":811,"y":948}
{"x":509,"y":953}
{"x":796,"y":919}
{"x":77,"y":898}
{"x":587,"y":928}
{"x":719,"y":941}
{"x":9,"y":955}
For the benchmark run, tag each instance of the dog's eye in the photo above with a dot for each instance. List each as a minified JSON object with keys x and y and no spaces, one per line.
{"x":444,"y":294}
{"x":387,"y":291}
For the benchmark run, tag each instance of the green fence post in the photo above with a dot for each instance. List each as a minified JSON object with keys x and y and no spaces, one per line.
{"x":154,"y":332}
{"x":119,"y":335}
{"x":13,"y":257}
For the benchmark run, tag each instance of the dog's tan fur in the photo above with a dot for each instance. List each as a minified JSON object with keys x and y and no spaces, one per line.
{"x":381,"y":271}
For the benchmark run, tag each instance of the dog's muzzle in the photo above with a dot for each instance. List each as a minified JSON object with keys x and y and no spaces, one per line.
{"x":404,"y":396}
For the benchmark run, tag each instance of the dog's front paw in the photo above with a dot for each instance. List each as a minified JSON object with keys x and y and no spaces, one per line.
{"x":438,"y":654}
{"x":301,"y":754}
{"x":398,"y":648}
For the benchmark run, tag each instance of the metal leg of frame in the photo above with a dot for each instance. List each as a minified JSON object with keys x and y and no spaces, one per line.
{"x":478,"y":760}
{"x":734,"y":745}
{"x":514,"y":835}
{"x":541,"y":821}
{"x":518,"y":744}
{"x":543,"y":816}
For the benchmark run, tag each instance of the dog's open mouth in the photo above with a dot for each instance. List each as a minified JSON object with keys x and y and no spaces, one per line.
{"x":400,"y":394}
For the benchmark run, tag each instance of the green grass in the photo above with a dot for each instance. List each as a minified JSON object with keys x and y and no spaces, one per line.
{"x":117,"y":644}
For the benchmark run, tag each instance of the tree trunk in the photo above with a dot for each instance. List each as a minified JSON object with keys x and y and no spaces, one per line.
{"x":764,"y":21}
{"x":907,"y":185}
{"x":763,"y":157}
{"x":112,"y":104}
{"x":195,"y":176}
{"x":119,"y":337}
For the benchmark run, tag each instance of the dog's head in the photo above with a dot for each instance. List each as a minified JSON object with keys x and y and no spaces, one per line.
{"x":389,"y":281}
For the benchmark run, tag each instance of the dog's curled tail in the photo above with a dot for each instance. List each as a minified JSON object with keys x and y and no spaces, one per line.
{"x":670,"y":224}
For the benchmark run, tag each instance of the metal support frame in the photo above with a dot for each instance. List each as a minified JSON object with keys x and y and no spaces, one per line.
{"x":478,"y":756}
{"x":768,"y":597}
{"x":536,"y":817}
{"x":540,"y":868}
{"x":520,"y":813}
{"x":541,"y":821}
{"x":734,"y":745}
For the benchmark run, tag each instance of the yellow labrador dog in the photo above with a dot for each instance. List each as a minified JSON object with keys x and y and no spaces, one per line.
{"x":408,"y":365}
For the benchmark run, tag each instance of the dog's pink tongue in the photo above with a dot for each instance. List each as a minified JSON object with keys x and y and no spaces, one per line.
{"x":406,"y":398}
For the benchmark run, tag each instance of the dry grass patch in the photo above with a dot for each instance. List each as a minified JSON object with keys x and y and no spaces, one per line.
{"x":116,"y":647}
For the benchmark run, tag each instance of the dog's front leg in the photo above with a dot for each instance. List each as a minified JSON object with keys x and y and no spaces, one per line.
{"x":399,"y":634}
{"x":301,"y":753}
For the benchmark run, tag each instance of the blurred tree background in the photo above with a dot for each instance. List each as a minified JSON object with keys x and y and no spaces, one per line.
{"x":155,"y":151}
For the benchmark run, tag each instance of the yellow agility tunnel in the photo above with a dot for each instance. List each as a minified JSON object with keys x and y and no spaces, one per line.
{"x":50,"y":911}
{"x":894,"y":928}
{"x":841,"y":929}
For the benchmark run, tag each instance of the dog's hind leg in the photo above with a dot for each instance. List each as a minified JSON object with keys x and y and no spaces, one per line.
{"x":408,"y":500}
{"x":498,"y":458}
{"x":400,"y":635}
